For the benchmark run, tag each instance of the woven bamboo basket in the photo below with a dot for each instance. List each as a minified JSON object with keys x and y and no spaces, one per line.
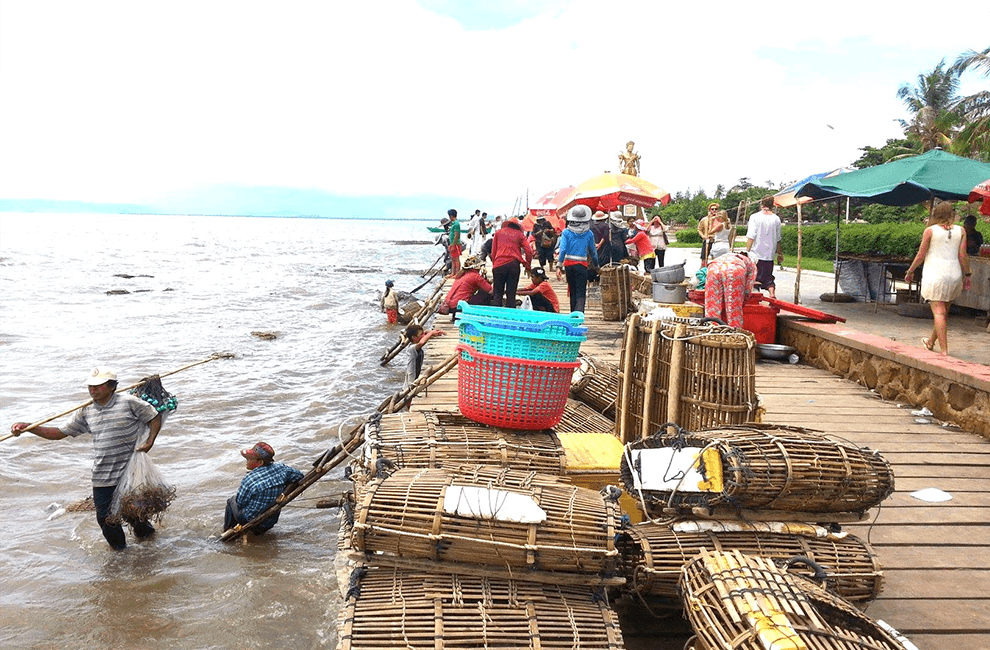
{"x":740,"y":602}
{"x":596,"y":383}
{"x":767,"y":467}
{"x":716,"y":383}
{"x":439,"y":439}
{"x":580,"y":418}
{"x":404,"y":516}
{"x":395,"y":608}
{"x":616,"y":293}
{"x":641,"y":283}
{"x":655,"y":553}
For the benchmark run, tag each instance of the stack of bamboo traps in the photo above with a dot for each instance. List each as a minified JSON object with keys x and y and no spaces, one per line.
{"x":596,"y":383}
{"x":616,"y":293}
{"x":580,"y":418}
{"x":397,"y":608}
{"x":698,"y":376}
{"x":741,"y":602}
{"x":437,"y":439}
{"x":655,"y":553}
{"x":756,"y":472}
{"x":458,"y":519}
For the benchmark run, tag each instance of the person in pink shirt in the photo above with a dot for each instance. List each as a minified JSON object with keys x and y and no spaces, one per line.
{"x":730,"y":280}
{"x":510,"y":249}
{"x":644,"y":247}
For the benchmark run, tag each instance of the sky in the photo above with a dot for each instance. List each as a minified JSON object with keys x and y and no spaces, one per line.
{"x":447,"y":103}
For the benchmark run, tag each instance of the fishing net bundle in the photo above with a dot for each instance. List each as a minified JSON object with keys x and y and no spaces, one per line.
{"x":143,"y":493}
{"x":151,"y":390}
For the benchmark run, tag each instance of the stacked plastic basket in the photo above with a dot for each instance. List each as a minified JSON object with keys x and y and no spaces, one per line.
{"x":516,"y":365}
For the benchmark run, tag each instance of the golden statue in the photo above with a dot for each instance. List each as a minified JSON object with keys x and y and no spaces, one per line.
{"x":629,"y":160}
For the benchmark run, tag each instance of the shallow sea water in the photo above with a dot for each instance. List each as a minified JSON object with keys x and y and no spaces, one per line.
{"x":213,"y":281}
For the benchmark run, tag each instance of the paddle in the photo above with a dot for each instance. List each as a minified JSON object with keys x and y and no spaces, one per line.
{"x":212,"y":357}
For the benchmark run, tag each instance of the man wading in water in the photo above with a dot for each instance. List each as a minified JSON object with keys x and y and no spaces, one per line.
{"x":264,"y":482}
{"x":116,"y":421}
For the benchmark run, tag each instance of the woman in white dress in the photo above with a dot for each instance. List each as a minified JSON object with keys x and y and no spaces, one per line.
{"x":720,"y":228}
{"x":943,"y":253}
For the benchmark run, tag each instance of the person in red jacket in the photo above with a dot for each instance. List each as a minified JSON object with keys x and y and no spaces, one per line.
{"x":510,"y":249}
{"x":644,"y":247}
{"x":469,"y":286}
{"x":540,"y":292}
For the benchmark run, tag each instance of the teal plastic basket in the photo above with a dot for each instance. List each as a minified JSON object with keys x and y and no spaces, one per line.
{"x":524,"y":320}
{"x":539,"y":345}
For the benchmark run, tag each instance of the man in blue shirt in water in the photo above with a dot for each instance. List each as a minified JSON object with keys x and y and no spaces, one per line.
{"x":265,"y":481}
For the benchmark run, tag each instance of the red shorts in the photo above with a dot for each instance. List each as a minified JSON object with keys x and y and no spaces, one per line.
{"x":393,"y":316}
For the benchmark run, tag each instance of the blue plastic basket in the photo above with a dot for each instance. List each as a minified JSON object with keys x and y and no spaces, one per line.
{"x":543,"y":345}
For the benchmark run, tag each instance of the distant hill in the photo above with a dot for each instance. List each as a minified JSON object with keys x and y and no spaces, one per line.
{"x":49,"y":205}
{"x":231,"y":200}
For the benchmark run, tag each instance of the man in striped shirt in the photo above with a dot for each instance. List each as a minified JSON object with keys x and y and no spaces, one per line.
{"x":116,"y":421}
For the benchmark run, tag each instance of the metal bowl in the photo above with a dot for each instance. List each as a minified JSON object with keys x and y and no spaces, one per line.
{"x":774,"y":351}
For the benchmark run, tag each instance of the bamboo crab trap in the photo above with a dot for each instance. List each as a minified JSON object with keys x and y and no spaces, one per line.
{"x":580,"y":418}
{"x":740,"y":602}
{"x":437,"y":439}
{"x":596,"y":383}
{"x":655,"y":553}
{"x":736,"y":470}
{"x":698,"y":376}
{"x":489,"y":516}
{"x":395,"y":608}
{"x":616,"y":293}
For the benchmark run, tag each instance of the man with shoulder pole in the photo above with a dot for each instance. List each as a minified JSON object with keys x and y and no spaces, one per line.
{"x":116,"y":421}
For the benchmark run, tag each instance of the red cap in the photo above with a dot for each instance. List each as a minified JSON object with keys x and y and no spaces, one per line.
{"x":261,"y":451}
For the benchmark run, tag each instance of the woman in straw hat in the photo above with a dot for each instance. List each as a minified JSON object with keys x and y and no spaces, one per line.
{"x":469,"y":286}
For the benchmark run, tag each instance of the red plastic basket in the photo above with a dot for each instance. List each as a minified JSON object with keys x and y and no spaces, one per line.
{"x":512,"y":393}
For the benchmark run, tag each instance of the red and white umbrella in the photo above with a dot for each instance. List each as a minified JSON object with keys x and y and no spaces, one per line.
{"x":546,"y":206}
{"x":606,"y":192}
{"x":982,"y":192}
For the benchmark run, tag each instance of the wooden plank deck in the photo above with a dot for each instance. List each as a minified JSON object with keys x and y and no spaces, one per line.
{"x":936,"y":556}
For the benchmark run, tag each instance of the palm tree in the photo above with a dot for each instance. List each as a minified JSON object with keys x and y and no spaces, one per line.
{"x":932,"y":104}
{"x":974,"y":138}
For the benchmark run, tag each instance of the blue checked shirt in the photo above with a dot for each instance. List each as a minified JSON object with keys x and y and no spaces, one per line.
{"x":261,"y":487}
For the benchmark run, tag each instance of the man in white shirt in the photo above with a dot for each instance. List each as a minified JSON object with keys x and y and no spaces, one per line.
{"x":762,"y":242}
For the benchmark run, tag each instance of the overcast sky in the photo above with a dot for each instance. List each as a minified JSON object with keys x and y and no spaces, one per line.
{"x":136,"y":101}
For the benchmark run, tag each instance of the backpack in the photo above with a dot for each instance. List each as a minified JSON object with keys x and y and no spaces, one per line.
{"x":547,"y":238}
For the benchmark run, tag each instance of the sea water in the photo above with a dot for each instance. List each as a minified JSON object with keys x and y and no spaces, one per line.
{"x":197,"y":286}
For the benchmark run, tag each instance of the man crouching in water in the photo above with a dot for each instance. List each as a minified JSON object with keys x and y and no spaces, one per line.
{"x":265,"y":481}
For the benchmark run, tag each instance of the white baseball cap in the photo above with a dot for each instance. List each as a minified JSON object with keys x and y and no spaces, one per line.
{"x":100,"y":375}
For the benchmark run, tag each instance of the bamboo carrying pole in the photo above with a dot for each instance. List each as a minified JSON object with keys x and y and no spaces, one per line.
{"x":212,"y":357}
{"x":676,"y":364}
{"x":349,"y":442}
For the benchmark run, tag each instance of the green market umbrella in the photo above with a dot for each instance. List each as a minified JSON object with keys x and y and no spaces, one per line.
{"x":935,"y":174}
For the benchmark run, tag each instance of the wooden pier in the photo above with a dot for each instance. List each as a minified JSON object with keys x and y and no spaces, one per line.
{"x":935,"y":556}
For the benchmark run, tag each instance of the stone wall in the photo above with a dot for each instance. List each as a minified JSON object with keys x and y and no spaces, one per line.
{"x":950,"y":395}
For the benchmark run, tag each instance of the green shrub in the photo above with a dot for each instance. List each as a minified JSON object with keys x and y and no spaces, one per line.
{"x":896,"y":239}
